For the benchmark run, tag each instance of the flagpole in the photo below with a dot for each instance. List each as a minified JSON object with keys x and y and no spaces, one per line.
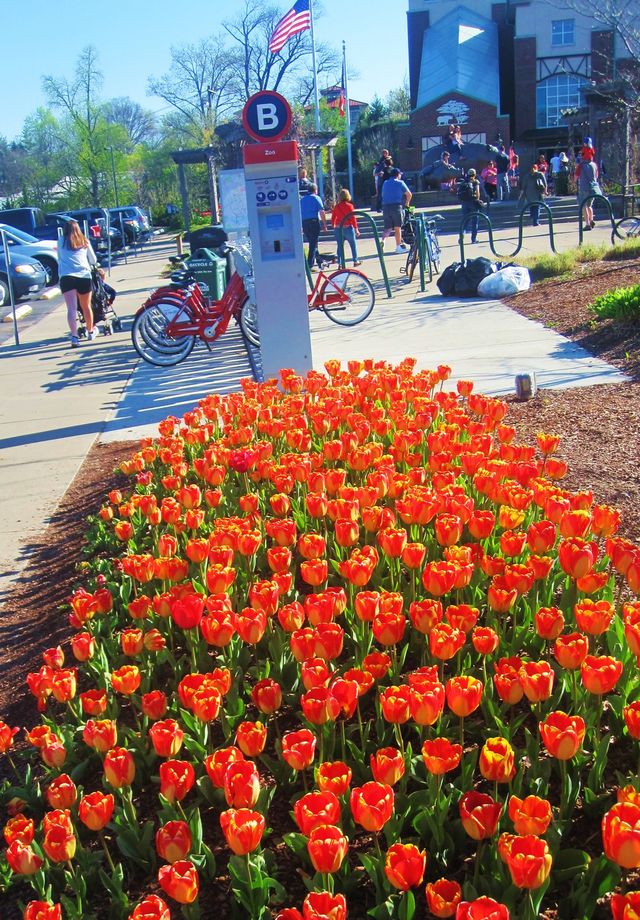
{"x":316,"y":96}
{"x":348,"y":116}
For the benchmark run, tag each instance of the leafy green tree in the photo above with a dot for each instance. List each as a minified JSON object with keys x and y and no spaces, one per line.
{"x":45,"y":177}
{"x":398,"y":103}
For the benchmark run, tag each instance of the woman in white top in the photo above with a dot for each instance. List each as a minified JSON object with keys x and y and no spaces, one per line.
{"x":76,"y":259}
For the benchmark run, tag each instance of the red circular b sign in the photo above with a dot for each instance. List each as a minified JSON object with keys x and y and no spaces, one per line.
{"x":266,"y":116}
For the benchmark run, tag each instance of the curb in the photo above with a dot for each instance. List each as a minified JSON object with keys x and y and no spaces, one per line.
{"x":21,"y":311}
{"x":50,"y":293}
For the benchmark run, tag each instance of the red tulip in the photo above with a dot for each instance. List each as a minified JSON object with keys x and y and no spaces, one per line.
{"x":387,"y":766}
{"x":443,"y":897}
{"x":119,"y":767}
{"x":480,"y":814}
{"x":600,"y":674}
{"x":95,"y":810}
{"x":298,"y":748}
{"x":529,"y":861}
{"x":562,"y":735}
{"x":483,"y":908}
{"x":21,"y":858}
{"x":216,"y":764}
{"x":242,"y":784}
{"x":404,"y":865}
{"x":327,"y":847}
{"x":321,"y":905}
{"x":173,"y":841}
{"x":531,"y":815}
{"x":333,"y":777}
{"x":315,"y":809}
{"x":497,"y":760}
{"x":42,"y":910}
{"x":166,"y":737}
{"x":440,"y":755}
{"x":621,"y":834}
{"x":151,"y":908}
{"x":463,"y":695}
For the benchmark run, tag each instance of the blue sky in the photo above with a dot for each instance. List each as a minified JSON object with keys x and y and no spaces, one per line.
{"x":133,"y":38}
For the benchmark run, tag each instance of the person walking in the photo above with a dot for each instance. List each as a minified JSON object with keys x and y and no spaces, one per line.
{"x":588,"y":186}
{"x":533,"y":189}
{"x":304,"y":183}
{"x":396,"y":195}
{"x":382,"y":173}
{"x":503,"y":165}
{"x":343,"y":216}
{"x":469,"y":197}
{"x":561,"y":182}
{"x":489,"y":176}
{"x":313,"y":215}
{"x":76,"y":259}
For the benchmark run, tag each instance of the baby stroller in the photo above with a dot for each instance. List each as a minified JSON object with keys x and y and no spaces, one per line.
{"x":104,"y":316}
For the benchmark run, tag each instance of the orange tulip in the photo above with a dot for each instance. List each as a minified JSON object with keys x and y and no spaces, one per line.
{"x":485,"y":640}
{"x":577,"y":556}
{"x":298,"y":748}
{"x":126,"y":679}
{"x":176,"y":779}
{"x":549,"y":622}
{"x":173,"y":841}
{"x":327,"y":847}
{"x":483,"y":908}
{"x":426,"y":702}
{"x":119,"y":767}
{"x":593,"y":617}
{"x":42,"y":910}
{"x":445,"y":641}
{"x":166,"y":737}
{"x":242,"y":784}
{"x":621,"y":834}
{"x":531,"y":815}
{"x":251,"y":738}
{"x":404,"y":865}
{"x":315,"y":809}
{"x":150,"y":908}
{"x":463,"y":695}
{"x":631,"y":715}
{"x":321,"y":905}
{"x":372,"y":805}
{"x":497,"y":760}
{"x":570,"y":650}
{"x":562,"y":735}
{"x":536,"y":678}
{"x":441,"y":755}
{"x":61,"y":792}
{"x":395,"y":704}
{"x":180,"y":881}
{"x":600,"y":673}
{"x":154,"y":704}
{"x":625,"y":906}
{"x":21,"y":858}
{"x":333,"y":777}
{"x":387,"y":766}
{"x":101,"y":734}
{"x":95,"y":810}
{"x":59,"y":843}
{"x":443,"y":897}
{"x":529,"y":861}
{"x":267,"y":695}
{"x":243,"y":829}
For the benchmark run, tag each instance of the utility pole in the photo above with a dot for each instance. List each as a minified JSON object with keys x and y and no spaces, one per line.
{"x":211,"y":169}
{"x":113,"y":173}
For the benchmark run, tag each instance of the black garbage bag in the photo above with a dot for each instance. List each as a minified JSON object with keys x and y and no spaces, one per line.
{"x":469,"y":275}
{"x":447,"y":280}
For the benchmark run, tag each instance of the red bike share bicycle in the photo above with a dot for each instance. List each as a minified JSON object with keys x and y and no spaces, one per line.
{"x":167,"y":326}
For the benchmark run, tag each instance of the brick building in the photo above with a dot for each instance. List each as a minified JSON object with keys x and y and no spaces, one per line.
{"x":502,"y":71}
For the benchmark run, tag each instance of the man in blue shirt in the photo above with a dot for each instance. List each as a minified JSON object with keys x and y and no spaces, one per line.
{"x":312,"y":212}
{"x":396,"y":195}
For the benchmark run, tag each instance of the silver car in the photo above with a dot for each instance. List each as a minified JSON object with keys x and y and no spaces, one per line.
{"x":44,"y":251}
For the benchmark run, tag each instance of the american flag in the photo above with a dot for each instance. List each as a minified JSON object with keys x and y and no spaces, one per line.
{"x":298,"y":19}
{"x":342,"y":100}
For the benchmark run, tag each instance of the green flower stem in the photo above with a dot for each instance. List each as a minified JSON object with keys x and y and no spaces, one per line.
{"x":250,"y":883}
{"x":103,"y":844}
{"x":399,"y":739}
{"x":478,"y":861}
{"x":462,"y":732}
{"x":564,"y":794}
{"x":531,"y":911}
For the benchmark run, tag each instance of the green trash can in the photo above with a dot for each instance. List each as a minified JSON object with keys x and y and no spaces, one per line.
{"x":210,"y":271}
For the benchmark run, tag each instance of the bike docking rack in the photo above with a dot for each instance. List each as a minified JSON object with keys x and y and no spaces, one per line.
{"x":420,"y":230}
{"x":506,"y":255}
{"x":614,"y":223}
{"x":376,"y":236}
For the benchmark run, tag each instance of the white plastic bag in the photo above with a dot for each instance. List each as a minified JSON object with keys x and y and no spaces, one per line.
{"x":510,"y":280}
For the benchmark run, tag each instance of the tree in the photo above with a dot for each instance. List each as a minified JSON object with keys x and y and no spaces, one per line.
{"x":398,"y":103}
{"x":139,"y":123}
{"x":13,"y":167}
{"x":200,"y":85}
{"x":376,"y":112}
{"x":86,"y":136}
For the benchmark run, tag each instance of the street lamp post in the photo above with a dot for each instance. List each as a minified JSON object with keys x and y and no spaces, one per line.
{"x":113,"y":173}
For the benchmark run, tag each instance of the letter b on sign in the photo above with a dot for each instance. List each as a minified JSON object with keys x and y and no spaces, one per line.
{"x":266,"y":116}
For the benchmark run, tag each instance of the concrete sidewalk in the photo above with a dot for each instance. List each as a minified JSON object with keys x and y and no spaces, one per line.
{"x":56,"y":402}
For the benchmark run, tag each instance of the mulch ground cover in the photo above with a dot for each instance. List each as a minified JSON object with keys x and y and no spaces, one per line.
{"x":600,"y":431}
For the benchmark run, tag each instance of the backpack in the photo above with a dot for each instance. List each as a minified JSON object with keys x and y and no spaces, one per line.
{"x":464,"y":191}
{"x":502,"y":162}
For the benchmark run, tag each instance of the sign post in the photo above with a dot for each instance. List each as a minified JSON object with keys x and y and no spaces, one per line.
{"x":275,"y":228}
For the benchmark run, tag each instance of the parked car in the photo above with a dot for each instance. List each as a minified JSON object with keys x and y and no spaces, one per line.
{"x":29,"y":220}
{"x":23,"y":244}
{"x":128,"y":218}
{"x":98,"y":228}
{"x":27,"y":278}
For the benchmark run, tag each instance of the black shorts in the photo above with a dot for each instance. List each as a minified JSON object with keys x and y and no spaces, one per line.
{"x":73,"y":283}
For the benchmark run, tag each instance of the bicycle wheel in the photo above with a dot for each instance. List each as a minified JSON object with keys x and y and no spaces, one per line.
{"x":434,"y":252}
{"x":359,"y":291}
{"x":412,"y":261}
{"x":150,"y":338}
{"x":248,"y":320}
{"x":629,"y":227}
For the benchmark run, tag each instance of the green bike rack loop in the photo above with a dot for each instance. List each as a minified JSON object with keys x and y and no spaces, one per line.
{"x":466,"y":220}
{"x":614,"y":224}
{"x":376,"y":236}
{"x":419,"y":228}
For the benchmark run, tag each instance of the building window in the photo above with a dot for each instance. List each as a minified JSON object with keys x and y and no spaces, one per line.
{"x":563,"y":32}
{"x":555,"y":94}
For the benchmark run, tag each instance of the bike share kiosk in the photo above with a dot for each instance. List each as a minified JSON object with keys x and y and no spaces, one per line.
{"x":275,"y":228}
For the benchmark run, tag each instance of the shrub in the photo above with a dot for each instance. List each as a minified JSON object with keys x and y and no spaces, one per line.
{"x":622,"y":303}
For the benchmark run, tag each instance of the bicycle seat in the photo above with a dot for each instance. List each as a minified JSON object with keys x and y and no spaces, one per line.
{"x":182,"y":278}
{"x":436,"y":217}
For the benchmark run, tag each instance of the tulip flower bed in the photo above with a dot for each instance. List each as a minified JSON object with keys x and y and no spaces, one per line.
{"x":346,"y":648}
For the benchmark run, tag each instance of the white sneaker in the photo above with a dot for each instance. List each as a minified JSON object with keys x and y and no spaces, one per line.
{"x":93,"y":334}
{"x":401,"y":248}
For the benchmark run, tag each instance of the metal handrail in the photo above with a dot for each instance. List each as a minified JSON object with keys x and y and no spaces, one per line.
{"x":614,"y":223}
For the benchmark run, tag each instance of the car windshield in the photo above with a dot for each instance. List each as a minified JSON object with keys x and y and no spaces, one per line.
{"x":19,"y":236}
